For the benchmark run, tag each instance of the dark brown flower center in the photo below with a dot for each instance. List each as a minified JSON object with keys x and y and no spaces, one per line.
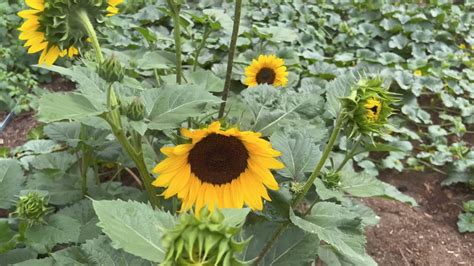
{"x":218,"y":159}
{"x":374,"y":109}
{"x":266,"y":75}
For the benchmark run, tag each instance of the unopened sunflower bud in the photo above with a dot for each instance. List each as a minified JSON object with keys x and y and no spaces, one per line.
{"x":136,"y":110}
{"x":111,"y":70}
{"x":32,"y":208}
{"x":331,"y":179}
{"x":203,"y":240}
{"x":369,"y":106}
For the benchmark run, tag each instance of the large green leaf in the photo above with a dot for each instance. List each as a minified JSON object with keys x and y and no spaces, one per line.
{"x":299,"y":153}
{"x":361,"y":185}
{"x":466,"y":222}
{"x":294,"y":246}
{"x":175,"y":103}
{"x":59,"y":229}
{"x":11,"y":182}
{"x":339,"y":227}
{"x":135,"y":227}
{"x":59,"y":106}
{"x":83,"y":212}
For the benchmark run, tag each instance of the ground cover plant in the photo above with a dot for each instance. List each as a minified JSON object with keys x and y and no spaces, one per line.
{"x":232,"y":133}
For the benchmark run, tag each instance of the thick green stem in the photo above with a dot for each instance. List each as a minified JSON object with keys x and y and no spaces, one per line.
{"x":177,"y":38}
{"x":327,"y":150}
{"x":207,"y":31}
{"x":350,"y":154}
{"x":86,"y":23}
{"x":322,"y":161}
{"x":230,"y":59}
{"x":136,"y":154}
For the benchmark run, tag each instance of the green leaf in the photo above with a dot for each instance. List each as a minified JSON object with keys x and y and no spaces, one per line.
{"x":59,"y":106}
{"x":466,"y":222}
{"x":11,"y":182}
{"x":326,"y":193}
{"x":458,"y":177}
{"x":37,"y":262}
{"x":99,"y":251}
{"x":393,"y":193}
{"x":59,"y":229}
{"x":174,"y":104}
{"x":361,"y":185}
{"x":7,"y":240}
{"x":135,"y":227}
{"x":235,"y":217}
{"x":83,"y":212}
{"x":294,"y":246}
{"x":337,"y":89}
{"x":206,"y":79}
{"x":299,"y":153}
{"x":338,"y":227}
{"x":17,"y":255}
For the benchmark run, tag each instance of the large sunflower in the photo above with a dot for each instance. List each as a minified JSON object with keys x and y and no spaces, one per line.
{"x":52,"y":27}
{"x":220,"y":168}
{"x":267,"y":69}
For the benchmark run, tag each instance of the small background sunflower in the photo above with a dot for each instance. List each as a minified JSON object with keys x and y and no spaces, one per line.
{"x":267,"y":69}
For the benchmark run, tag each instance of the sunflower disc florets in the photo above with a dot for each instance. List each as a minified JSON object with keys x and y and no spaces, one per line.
{"x":369,"y":106}
{"x":32,"y":208}
{"x":54,"y":27}
{"x":203,"y":240}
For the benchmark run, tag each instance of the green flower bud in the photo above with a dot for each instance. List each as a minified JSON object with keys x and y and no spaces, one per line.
{"x":136,"y":110}
{"x":203,"y":240}
{"x":32,"y":208}
{"x":331,"y":179}
{"x":111,"y":70}
{"x":368,"y":106}
{"x":297,"y":187}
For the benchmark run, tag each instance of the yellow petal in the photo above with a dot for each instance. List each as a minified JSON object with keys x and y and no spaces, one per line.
{"x":164,"y":179}
{"x":63,"y":53}
{"x":264,"y":174}
{"x":36,"y":4}
{"x":115,"y":2}
{"x":37,"y":47}
{"x":266,"y":162}
{"x":30,"y":13}
{"x":236,"y":192}
{"x":30,"y":25}
{"x":72,"y":51}
{"x":26,"y":35}
{"x":51,"y":56}
{"x":112,"y":10}
{"x":179,"y":181}
{"x":170,"y":164}
{"x":211,"y":197}
{"x":227,"y":196}
{"x":39,"y":38}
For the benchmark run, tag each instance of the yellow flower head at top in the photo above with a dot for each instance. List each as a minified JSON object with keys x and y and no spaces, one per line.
{"x":462,"y":46}
{"x":52,"y":28}
{"x":219,"y":168}
{"x":267,"y":69}
{"x":373,"y":108}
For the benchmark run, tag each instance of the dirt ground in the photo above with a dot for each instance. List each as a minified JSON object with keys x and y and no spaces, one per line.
{"x":423,"y":235}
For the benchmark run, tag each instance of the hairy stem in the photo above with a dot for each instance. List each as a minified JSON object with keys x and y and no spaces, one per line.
{"x":207,"y":31}
{"x":322,"y":161}
{"x":230,"y":59}
{"x":177,"y":38}
{"x":350,"y":154}
{"x":86,"y":23}
{"x":327,"y":150}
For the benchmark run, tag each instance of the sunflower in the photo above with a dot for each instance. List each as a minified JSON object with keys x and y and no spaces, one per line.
{"x":52,"y":27}
{"x":373,"y":108}
{"x":267,"y":69}
{"x":219,"y":168}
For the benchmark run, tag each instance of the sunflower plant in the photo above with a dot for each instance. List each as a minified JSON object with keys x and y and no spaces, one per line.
{"x":228,"y":173}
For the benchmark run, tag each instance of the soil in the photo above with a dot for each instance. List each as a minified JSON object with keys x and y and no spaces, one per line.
{"x":15,"y":132}
{"x":423,"y":235}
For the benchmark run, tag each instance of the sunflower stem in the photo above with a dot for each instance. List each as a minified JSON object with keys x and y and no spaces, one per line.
{"x":136,"y":153}
{"x":230,"y":59}
{"x":327,"y":150}
{"x":177,"y":38}
{"x":317,"y":170}
{"x":350,"y":154}
{"x":207,"y":31}
{"x":86,"y":23}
